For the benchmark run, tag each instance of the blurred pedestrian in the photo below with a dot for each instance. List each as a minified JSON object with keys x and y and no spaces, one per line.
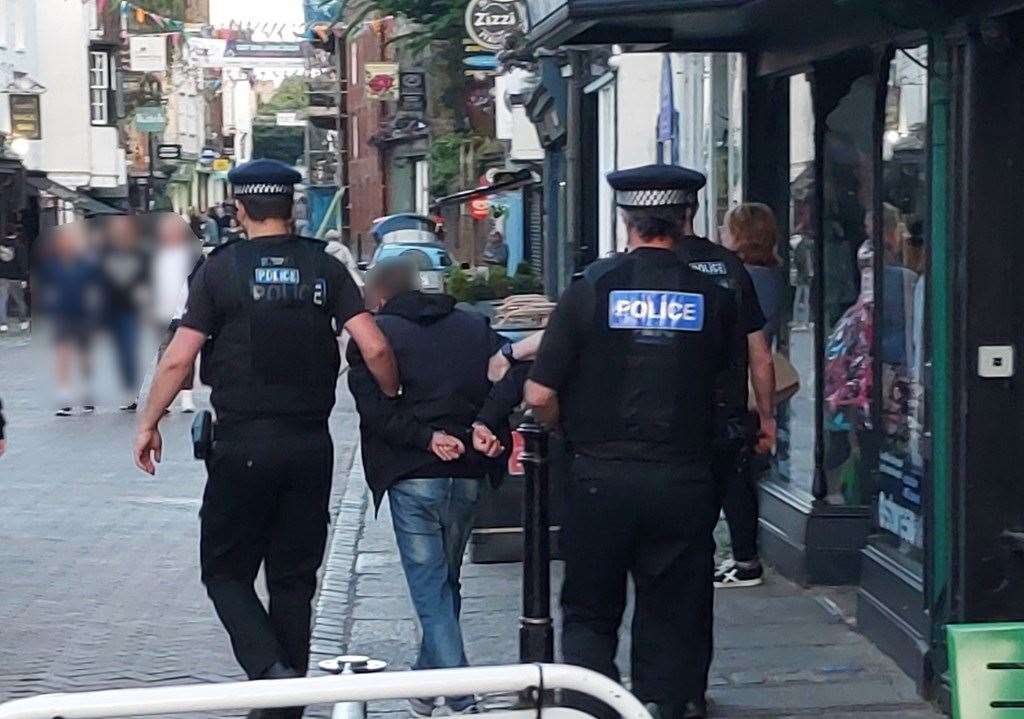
{"x":300,"y":214}
{"x":123,"y":264}
{"x":235,"y":231}
{"x":195,"y":222}
{"x":432,"y":450}
{"x":13,"y":274}
{"x":496,"y":252}
{"x":751,"y":233}
{"x":265,"y":313}
{"x":211,"y":228}
{"x":739,"y":433}
{"x":336,"y":249}
{"x":71,"y":295}
{"x":627,"y":368}
{"x":176,"y":257}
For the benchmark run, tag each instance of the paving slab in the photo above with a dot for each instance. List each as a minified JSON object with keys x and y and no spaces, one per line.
{"x":781,"y":651}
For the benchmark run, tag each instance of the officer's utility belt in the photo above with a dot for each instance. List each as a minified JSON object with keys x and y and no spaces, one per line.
{"x":205,"y":431}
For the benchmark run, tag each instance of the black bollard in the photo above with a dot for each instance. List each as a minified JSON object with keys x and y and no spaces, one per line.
{"x":536,"y":635}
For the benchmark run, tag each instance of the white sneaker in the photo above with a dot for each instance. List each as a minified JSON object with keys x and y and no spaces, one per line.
{"x":732,"y":574}
{"x":188,"y":403}
{"x":24,"y":326}
{"x":3,"y":328}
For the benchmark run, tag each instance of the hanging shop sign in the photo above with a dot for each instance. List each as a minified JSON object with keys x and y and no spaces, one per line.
{"x":206,"y":52}
{"x":490,"y":23}
{"x":479,"y":208}
{"x":290,"y":119}
{"x":221,"y":164}
{"x":168,"y":152}
{"x":147,"y":53}
{"x":263,"y":50}
{"x":381,"y":81}
{"x":25,"y":117}
{"x":150,"y":118}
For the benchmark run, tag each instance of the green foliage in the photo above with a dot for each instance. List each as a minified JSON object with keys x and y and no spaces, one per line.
{"x":494,"y":285}
{"x":525,"y":281}
{"x":434,"y":19}
{"x":444,"y":162}
{"x":458,"y":284}
{"x":498,"y":282}
{"x":291,"y":95}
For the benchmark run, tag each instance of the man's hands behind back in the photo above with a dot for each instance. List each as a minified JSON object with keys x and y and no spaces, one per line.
{"x":446,"y":447}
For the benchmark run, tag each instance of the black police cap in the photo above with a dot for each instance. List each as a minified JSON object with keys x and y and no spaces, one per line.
{"x":264,"y":177}
{"x":656,"y":186}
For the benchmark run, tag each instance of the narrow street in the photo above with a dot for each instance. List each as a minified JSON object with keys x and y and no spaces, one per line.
{"x":101,"y":584}
{"x":100,"y":563}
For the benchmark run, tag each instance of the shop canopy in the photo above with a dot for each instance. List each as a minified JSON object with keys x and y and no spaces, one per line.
{"x":784,"y":32}
{"x":81,"y":201}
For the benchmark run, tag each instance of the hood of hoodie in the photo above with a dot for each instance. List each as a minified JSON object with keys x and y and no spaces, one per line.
{"x":420,"y":307}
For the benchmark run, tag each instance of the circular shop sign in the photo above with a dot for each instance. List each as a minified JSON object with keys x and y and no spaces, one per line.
{"x":490,"y":22}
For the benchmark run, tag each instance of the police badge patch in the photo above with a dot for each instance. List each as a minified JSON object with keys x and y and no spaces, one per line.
{"x":655,"y":310}
{"x":277,"y":276}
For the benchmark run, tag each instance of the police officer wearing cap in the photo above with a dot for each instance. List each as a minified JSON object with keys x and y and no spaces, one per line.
{"x":266,"y":312}
{"x":738,"y":432}
{"x":627,"y":368}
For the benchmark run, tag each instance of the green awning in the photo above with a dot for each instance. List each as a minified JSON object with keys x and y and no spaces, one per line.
{"x":80,"y":200}
{"x":784,"y":27}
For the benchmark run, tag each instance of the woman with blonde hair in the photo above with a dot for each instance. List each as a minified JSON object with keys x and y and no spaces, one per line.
{"x":750,"y":231}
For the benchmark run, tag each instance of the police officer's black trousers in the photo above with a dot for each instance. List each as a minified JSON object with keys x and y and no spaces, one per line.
{"x":737,"y":483}
{"x":653,"y":522}
{"x":266,"y":502}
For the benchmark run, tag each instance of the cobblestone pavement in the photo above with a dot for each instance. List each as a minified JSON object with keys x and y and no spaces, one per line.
{"x":101,"y":586}
{"x":781,"y":651}
{"x":100,"y":562}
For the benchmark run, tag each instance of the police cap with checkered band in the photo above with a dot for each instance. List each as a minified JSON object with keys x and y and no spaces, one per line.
{"x":264,"y":178}
{"x":656,"y":186}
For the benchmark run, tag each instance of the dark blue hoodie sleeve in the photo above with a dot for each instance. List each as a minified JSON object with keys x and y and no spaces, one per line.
{"x":3,"y":422}
{"x":504,"y":397}
{"x":379,"y":414}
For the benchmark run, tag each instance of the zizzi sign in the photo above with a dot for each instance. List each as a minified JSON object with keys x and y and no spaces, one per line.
{"x":491,"y":22}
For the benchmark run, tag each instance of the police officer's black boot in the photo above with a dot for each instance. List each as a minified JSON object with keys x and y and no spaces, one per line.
{"x":277,"y":670}
{"x":689,"y":710}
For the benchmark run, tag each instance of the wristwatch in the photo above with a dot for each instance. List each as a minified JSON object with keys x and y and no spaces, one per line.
{"x":508,"y":353}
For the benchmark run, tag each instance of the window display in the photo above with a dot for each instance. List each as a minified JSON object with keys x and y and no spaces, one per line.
{"x":902,"y":349}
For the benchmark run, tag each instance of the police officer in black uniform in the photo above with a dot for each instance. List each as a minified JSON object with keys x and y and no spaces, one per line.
{"x":627,"y":368}
{"x":739,"y":433}
{"x":266,"y":312}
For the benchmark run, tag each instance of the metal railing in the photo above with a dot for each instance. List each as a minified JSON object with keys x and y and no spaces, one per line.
{"x":516,"y":678}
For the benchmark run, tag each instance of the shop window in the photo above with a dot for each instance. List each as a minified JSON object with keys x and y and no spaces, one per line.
{"x":902,"y":346}
{"x":795,"y":455}
{"x":847,"y":286}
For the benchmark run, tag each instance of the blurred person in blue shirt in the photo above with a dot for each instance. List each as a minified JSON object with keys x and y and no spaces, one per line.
{"x":122,"y":261}
{"x":71,"y":298}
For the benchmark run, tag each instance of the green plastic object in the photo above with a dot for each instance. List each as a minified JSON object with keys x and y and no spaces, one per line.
{"x":986,"y":662}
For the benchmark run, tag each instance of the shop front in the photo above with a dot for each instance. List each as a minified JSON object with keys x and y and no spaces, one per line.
{"x":886,"y":140}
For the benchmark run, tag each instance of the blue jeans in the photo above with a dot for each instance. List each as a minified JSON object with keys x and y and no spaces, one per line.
{"x":433,"y":518}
